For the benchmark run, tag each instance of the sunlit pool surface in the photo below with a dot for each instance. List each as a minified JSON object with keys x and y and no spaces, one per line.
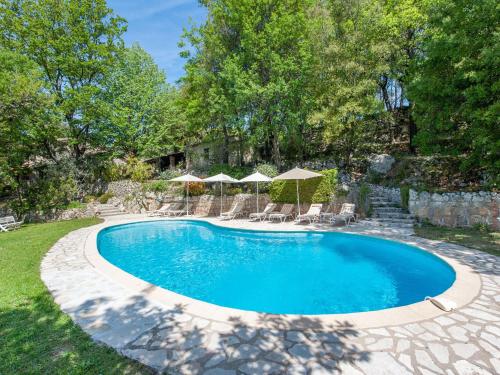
{"x":275,"y":272}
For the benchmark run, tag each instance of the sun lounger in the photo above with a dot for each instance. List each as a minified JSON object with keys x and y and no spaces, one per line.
{"x":175,"y":209}
{"x":9,"y":223}
{"x":311,"y":215}
{"x":346,"y":214}
{"x":161,"y":210}
{"x":327,"y":214}
{"x":283,"y":215}
{"x":236,"y":210}
{"x":263,"y":215}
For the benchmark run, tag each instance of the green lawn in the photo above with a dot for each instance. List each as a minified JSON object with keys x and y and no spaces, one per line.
{"x":35,"y":336}
{"x":470,"y":237}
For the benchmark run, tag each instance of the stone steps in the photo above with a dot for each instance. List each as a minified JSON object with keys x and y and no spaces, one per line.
{"x":108,"y":210}
{"x":386,"y":213}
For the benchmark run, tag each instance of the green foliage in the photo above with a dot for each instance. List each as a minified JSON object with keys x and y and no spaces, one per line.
{"x":314,"y":190}
{"x":456,"y":88}
{"x":137,"y":170}
{"x":233,"y":171}
{"x":364,"y":199}
{"x":89,"y":198}
{"x":405,"y":196}
{"x":75,"y":204}
{"x":104,"y":198}
{"x":74,"y":43}
{"x":269,"y":170}
{"x":234,"y":190}
{"x":157,"y":186}
{"x":168,"y":174}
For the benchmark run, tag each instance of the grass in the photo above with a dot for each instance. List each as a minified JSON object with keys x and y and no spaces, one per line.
{"x":474,"y":238}
{"x":35,"y":336}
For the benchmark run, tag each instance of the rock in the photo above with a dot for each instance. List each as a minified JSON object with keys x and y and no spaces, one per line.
{"x":381,"y":163}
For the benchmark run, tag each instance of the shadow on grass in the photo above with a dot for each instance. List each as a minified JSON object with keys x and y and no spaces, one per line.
{"x":172,"y":341}
{"x":36,"y":337}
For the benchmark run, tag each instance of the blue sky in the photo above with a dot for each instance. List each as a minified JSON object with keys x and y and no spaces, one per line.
{"x":157,"y":26}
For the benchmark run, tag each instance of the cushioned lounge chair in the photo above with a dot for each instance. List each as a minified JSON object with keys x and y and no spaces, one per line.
{"x":263,"y":215}
{"x":284,"y":214}
{"x":311,"y":215}
{"x":346,"y":214}
{"x":175,"y":209}
{"x":236,"y":210}
{"x":161,"y":210}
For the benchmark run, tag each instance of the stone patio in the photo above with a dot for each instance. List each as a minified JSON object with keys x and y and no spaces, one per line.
{"x":167,"y":338}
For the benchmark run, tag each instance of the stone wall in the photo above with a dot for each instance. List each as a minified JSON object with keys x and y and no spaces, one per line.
{"x":391,"y":194}
{"x":460,"y":209}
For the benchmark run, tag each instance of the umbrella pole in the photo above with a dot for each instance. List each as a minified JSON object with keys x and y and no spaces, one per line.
{"x":257,"y":197}
{"x":298,"y":199}
{"x":187,"y":199}
{"x":221,"y":198}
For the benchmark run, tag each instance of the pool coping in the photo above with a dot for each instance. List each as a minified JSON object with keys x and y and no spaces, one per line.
{"x":466,"y":287}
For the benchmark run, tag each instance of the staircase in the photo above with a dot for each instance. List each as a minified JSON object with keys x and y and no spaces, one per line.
{"x":107,"y":210}
{"x":388,"y":214}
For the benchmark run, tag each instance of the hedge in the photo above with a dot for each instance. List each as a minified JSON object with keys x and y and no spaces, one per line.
{"x":314,"y":190}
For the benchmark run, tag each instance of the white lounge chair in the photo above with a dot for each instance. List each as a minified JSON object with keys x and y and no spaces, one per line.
{"x":175,"y":209}
{"x":311,"y":215}
{"x":236,"y":210}
{"x":346,"y":214}
{"x":327,"y":214}
{"x":284,"y":214}
{"x":161,"y":210}
{"x":9,"y":223}
{"x":263,"y":215}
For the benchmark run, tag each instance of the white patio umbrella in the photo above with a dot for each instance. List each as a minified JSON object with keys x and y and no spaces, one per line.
{"x":297,"y":174}
{"x":187,"y":178}
{"x":257,"y":177}
{"x":222,"y":178}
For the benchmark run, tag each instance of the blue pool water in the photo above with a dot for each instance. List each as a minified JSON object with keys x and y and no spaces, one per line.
{"x":275,"y":272}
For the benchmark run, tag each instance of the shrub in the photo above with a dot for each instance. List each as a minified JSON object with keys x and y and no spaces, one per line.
{"x":138,"y":170}
{"x":364,"y":199}
{"x":89,"y":198}
{"x":234,"y":190}
{"x":75,"y":204}
{"x":168,"y":174}
{"x":235,"y":172}
{"x":270,"y":170}
{"x":156,"y":186}
{"x":196,"y":188}
{"x":313,"y":190}
{"x":103,"y":199}
{"x":405,"y":196}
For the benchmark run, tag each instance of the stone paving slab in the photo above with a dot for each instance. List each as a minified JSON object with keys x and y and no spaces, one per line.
{"x":166,"y":338}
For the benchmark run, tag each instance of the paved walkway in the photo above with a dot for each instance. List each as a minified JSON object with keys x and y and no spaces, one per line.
{"x":466,"y":341}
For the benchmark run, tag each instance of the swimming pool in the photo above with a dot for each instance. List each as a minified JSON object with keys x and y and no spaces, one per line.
{"x":275,"y":272}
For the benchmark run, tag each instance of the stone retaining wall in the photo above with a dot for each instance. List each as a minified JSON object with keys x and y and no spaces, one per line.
{"x":460,"y":209}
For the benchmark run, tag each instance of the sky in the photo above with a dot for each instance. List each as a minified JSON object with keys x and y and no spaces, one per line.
{"x":157,"y":26}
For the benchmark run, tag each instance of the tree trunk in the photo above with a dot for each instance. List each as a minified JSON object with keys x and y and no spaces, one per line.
{"x":225,"y":146}
{"x":276,"y":150}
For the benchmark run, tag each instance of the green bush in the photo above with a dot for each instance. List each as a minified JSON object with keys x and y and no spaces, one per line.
{"x":138,"y":170}
{"x":103,"y":199}
{"x":156,"y":186}
{"x":89,"y":198}
{"x":405,"y":196}
{"x":364,"y":199}
{"x":234,"y":190}
{"x":75,"y":204}
{"x":270,"y":170}
{"x":235,"y":172}
{"x":313,"y":190}
{"x":168,"y":174}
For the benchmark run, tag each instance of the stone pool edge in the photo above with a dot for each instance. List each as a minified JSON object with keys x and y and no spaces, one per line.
{"x":466,"y":287}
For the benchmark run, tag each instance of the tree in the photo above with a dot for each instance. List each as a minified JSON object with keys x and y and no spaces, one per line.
{"x":249,"y":74}
{"x":350,"y":59}
{"x":456,"y":84}
{"x":75,"y":43}
{"x":134,"y":89}
{"x":29,"y":122}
